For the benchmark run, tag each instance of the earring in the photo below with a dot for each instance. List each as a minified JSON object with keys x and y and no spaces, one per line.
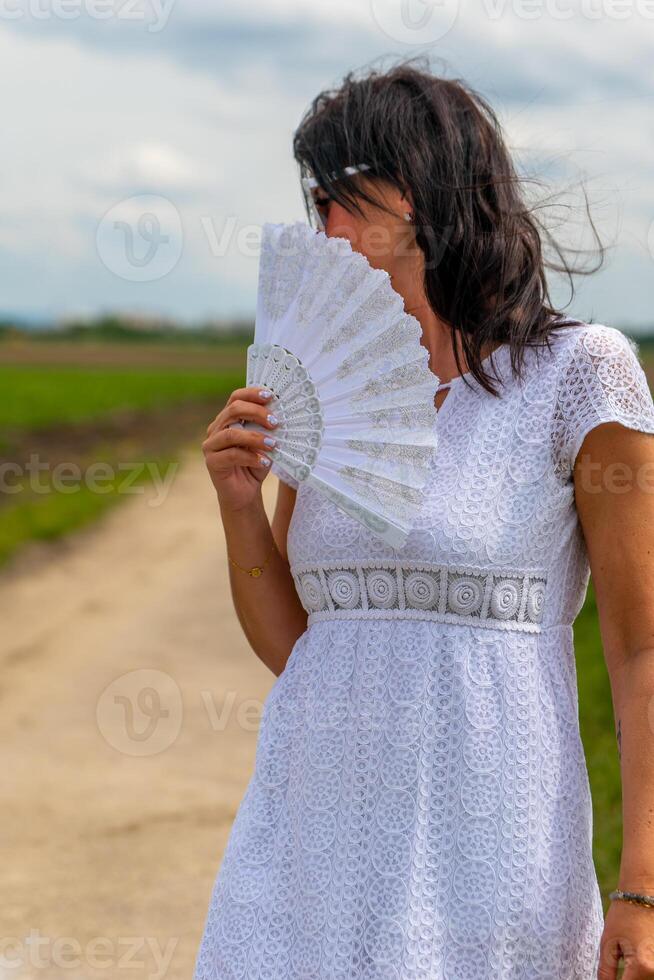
{"x":408,"y":216}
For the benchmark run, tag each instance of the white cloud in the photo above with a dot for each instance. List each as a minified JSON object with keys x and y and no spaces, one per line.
{"x":338,"y":13}
{"x":203,"y":113}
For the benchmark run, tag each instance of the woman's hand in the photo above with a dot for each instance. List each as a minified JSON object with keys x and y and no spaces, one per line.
{"x":237,"y":458}
{"x":628,"y":934}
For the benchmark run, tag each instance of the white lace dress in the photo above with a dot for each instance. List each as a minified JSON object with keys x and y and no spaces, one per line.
{"x":420,"y":806}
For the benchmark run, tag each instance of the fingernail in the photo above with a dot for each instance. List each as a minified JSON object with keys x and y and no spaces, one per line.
{"x":273,"y":419}
{"x":269,"y":441}
{"x":264,"y":393}
{"x":264,"y":460}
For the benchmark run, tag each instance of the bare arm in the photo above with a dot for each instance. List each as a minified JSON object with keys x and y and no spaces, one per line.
{"x":267,"y":606}
{"x":615,"y":501}
{"x":614,"y":491}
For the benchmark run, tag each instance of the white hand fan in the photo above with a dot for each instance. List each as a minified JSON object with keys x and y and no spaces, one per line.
{"x":350,"y":379}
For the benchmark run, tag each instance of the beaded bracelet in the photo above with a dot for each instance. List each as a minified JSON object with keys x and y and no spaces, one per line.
{"x":634,"y":897}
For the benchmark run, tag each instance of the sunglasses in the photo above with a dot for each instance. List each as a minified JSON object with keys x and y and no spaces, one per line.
{"x":316,"y":199}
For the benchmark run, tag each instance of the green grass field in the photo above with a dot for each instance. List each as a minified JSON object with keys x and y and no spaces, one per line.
{"x":39,"y":395}
{"x":97,"y":408}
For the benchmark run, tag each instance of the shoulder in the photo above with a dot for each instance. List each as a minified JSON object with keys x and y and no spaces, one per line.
{"x":573,"y":340}
{"x":601,"y":364}
{"x":598,"y":342}
{"x":570,"y":342}
{"x":601,"y":378}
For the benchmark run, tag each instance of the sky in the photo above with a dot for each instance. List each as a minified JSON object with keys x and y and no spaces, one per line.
{"x":147,"y":141}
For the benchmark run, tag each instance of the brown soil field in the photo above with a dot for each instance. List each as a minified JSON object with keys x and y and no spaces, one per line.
{"x":130,"y":709}
{"x":123,"y":435}
{"x":90,"y":354}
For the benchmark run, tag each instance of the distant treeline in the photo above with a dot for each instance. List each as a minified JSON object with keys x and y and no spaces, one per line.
{"x":117,"y":328}
{"x":144,"y":330}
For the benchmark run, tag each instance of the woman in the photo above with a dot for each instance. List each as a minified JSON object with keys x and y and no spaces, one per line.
{"x":420,"y":805}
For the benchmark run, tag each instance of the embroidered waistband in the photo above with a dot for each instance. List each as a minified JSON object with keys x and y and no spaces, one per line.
{"x":495,"y":598}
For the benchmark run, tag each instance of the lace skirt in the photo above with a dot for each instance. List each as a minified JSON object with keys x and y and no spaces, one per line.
{"x":419,"y":807}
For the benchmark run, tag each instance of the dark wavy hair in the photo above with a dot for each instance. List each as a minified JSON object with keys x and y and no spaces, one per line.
{"x":485,"y":269}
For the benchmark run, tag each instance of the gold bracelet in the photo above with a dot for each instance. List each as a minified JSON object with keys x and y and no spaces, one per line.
{"x":256,"y":570}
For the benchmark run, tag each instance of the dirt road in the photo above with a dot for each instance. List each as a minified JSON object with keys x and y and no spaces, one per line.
{"x":130,"y":708}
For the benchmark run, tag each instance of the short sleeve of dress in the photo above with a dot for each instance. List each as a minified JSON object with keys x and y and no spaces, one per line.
{"x":284,"y":477}
{"x":602,"y":381}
